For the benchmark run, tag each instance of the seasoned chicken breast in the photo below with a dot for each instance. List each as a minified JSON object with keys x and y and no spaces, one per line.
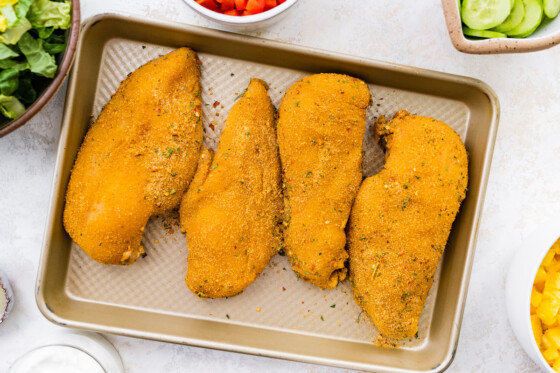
{"x":232,"y":211}
{"x":401,"y":219}
{"x":320,"y":133}
{"x":137,"y":159}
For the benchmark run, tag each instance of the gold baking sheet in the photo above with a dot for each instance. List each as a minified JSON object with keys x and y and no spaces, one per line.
{"x":73,"y":289}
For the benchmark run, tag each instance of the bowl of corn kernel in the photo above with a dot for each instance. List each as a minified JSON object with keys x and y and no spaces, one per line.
{"x":533,"y":296}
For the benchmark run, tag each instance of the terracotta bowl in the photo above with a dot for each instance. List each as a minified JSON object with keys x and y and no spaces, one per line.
{"x":546,"y":36}
{"x":63,"y":70}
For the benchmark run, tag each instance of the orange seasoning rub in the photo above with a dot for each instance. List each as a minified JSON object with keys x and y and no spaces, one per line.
{"x":401,"y":219}
{"x":137,"y":159}
{"x":232,"y":210}
{"x":321,"y":128}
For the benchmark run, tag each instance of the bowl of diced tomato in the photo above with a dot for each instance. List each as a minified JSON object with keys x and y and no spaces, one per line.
{"x":242,"y":14}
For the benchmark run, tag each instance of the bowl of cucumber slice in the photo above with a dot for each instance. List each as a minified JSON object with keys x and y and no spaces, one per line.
{"x":502,"y":26}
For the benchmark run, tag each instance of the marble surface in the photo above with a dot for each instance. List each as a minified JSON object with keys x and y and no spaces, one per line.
{"x":523,"y":190}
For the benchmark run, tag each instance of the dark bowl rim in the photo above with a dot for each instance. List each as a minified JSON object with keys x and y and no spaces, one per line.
{"x":53,"y":87}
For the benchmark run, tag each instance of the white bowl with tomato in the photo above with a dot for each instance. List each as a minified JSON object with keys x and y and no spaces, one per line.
{"x":242,"y":14}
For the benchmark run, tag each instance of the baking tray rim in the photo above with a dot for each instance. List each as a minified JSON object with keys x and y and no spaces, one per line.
{"x":40,"y":295}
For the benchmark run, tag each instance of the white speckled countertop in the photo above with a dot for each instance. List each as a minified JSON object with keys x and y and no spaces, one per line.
{"x":523,"y":191}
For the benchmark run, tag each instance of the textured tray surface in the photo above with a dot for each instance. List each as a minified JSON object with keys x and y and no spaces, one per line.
{"x":277,"y":299}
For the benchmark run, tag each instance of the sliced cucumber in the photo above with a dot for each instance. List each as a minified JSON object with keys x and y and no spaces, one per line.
{"x":485,"y":14}
{"x":522,"y":36}
{"x":515,"y":18}
{"x":532,"y":20}
{"x":551,"y":8}
{"x":483,"y":33}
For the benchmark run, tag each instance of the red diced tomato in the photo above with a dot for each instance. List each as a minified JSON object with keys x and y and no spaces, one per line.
{"x":269,"y":4}
{"x":239,"y":7}
{"x":228,"y":5}
{"x":210,"y":4}
{"x":255,"y":6}
{"x":247,"y":13}
{"x":240,"y":4}
{"x":232,"y":12}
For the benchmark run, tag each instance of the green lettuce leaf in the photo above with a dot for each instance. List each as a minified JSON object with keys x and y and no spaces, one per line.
{"x":26,"y":93}
{"x":9,"y":81}
{"x":11,"y":107}
{"x":34,"y":34}
{"x":12,"y":64}
{"x":7,"y":52}
{"x":56,"y":43}
{"x":39,"y":60}
{"x":45,"y":13}
{"x":45,"y":32}
{"x":12,"y":35}
{"x":22,"y":7}
{"x":10,"y":15}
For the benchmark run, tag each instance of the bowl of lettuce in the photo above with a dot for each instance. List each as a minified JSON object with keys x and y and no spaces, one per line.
{"x":37,"y":43}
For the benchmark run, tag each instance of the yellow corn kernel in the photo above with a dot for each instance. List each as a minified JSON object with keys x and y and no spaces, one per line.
{"x":552,"y":294}
{"x":540,"y":278}
{"x":555,"y":265}
{"x":556,"y":246}
{"x":548,"y":259}
{"x":537,"y":329}
{"x":553,"y":336}
{"x":550,"y":355}
{"x":552,"y":281}
{"x":533,"y":310}
{"x":545,"y":342}
{"x":536,"y":297}
{"x":556,"y":365}
{"x":549,"y":293}
{"x":547,"y":310}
